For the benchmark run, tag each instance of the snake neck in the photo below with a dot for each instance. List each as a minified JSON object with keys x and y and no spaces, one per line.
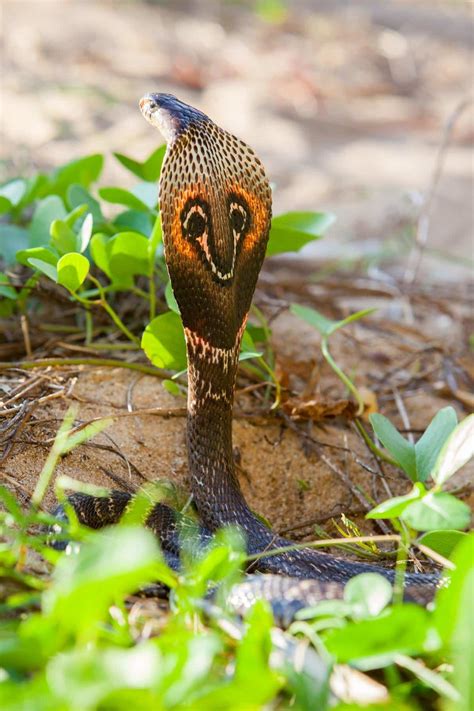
{"x":212,"y":372}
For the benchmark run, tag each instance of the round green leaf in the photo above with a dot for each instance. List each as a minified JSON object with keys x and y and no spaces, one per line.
{"x":367,"y":594}
{"x":163,"y":342}
{"x":437,"y":511}
{"x":62,"y":237}
{"x":392,"y":508}
{"x":46,"y":254}
{"x":442,"y":542}
{"x":128,"y":255}
{"x":72,"y":270}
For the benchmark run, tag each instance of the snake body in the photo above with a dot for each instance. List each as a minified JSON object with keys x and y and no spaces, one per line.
{"x":215,"y":202}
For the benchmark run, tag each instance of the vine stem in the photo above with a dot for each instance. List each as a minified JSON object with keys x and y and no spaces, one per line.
{"x":324,"y":543}
{"x":401,"y":564}
{"x":104,"y":362}
{"x":341,"y":375}
{"x":112,"y":313}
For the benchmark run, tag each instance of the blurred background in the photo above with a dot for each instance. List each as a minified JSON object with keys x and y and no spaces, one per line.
{"x":355,"y":106}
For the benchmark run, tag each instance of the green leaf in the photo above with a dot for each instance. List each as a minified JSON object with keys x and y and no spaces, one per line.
{"x":112,"y":563}
{"x":367,"y":594}
{"x":392,"y":508}
{"x":47,"y":210}
{"x":72,"y":268}
{"x":456,"y":452}
{"x":147,"y":193}
{"x":134,"y":220}
{"x":120,"y":196}
{"x":45,"y":254}
{"x":62,"y":237}
{"x":155,"y":239}
{"x":401,"y":450}
{"x":130,"y":164}
{"x":85,"y":232}
{"x":150,"y":169}
{"x":78,"y":195}
{"x":450,"y":596}
{"x":5,"y":289}
{"x":442,"y":542}
{"x":171,"y":387}
{"x":35,"y":188}
{"x":350,"y":319}
{"x":152,"y":165}
{"x":170,"y":298}
{"x":13,"y":191}
{"x":374,"y":643}
{"x":100,"y":253}
{"x":128,"y":254}
{"x":163,"y":342}
{"x":121,"y":256}
{"x":453,"y":619}
{"x":5,"y":205}
{"x":82,"y":171}
{"x":12,"y":239}
{"x":430,"y":444}
{"x":291,"y":231}
{"x":248,"y":349}
{"x":252,"y":668}
{"x":75,"y":215}
{"x":44,"y":267}
{"x":95,"y":676}
{"x":437,"y":511}
{"x":314,"y":318}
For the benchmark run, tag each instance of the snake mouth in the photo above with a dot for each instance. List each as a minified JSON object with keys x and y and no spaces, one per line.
{"x":159,"y":117}
{"x":170,"y":115}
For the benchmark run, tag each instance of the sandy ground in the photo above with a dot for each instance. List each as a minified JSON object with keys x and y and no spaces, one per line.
{"x":291,"y":471}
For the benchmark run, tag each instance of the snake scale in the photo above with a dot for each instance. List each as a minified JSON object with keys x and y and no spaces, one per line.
{"x":215,"y":202}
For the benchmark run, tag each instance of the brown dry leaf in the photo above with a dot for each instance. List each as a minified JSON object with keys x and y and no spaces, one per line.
{"x":320,"y":409}
{"x":370,"y":401}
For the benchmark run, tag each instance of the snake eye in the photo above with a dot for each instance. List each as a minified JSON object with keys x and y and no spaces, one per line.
{"x":194,"y":221}
{"x":238,"y":218}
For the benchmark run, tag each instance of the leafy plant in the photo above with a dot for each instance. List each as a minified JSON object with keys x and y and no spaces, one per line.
{"x":57,"y":227}
{"x":443,"y":449}
{"x":326,"y":328}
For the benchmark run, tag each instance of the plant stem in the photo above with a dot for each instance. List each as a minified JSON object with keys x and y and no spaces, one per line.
{"x":53,"y":456}
{"x":401,"y":564}
{"x":152,"y":296}
{"x":113,"y":314}
{"x":103,"y":362}
{"x":373,"y":447}
{"x":341,"y":375}
{"x":324,"y":544}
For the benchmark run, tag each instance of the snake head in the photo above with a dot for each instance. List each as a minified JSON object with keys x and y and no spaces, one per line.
{"x":215,"y":203}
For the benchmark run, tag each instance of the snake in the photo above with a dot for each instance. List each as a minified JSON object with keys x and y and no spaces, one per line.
{"x":216,"y":207}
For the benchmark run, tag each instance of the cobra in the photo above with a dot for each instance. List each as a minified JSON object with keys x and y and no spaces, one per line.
{"x":215,"y":202}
